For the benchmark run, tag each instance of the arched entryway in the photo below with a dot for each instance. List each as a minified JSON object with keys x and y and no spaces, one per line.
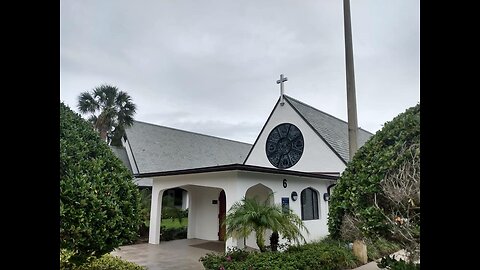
{"x":262,"y":194}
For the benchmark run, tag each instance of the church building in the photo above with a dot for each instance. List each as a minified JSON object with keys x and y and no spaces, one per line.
{"x":298,"y":156}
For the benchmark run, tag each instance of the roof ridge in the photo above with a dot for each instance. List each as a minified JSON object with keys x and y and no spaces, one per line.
{"x":305,"y":104}
{"x":192,"y":132}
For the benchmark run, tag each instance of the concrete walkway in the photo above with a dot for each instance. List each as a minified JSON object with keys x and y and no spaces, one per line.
{"x":177,"y":254}
{"x":373,"y":265}
{"x":184,"y":254}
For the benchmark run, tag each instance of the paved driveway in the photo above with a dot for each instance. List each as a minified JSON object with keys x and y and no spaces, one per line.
{"x":177,"y":254}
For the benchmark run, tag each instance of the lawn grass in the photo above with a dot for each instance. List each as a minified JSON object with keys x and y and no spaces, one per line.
{"x":169,"y":224}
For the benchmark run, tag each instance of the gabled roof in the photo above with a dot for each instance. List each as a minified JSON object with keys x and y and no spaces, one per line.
{"x":332,"y":130}
{"x":121,"y":153}
{"x":158,"y":148}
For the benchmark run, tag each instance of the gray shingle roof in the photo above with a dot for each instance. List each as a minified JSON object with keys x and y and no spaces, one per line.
{"x":158,"y":148}
{"x":121,"y":153}
{"x":334,"y":131}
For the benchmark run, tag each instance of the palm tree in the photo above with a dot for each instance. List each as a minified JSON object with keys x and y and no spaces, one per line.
{"x":111,"y":111}
{"x":250,"y":215}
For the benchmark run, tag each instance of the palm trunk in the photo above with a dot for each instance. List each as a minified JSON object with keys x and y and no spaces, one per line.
{"x":260,"y":240}
{"x":103,"y":135}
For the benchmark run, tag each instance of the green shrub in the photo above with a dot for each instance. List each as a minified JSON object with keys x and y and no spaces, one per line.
{"x":380,"y":247}
{"x":323,"y":255}
{"x":106,"y":262}
{"x":99,"y":203}
{"x":173,"y":233}
{"x":358,"y":189}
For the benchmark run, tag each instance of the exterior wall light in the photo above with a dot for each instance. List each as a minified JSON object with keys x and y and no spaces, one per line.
{"x":326,"y":196}
{"x":294,"y":196}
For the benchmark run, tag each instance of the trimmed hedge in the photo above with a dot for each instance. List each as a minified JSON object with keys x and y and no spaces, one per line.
{"x":99,"y":203}
{"x":358,"y":184}
{"x":323,"y":255}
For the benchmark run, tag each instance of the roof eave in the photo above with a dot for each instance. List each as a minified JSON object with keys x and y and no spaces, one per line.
{"x":237,"y":167}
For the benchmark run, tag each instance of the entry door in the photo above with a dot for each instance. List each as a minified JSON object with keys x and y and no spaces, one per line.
{"x":221,"y":216}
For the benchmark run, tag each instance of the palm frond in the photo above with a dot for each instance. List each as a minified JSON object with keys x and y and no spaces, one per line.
{"x":116,"y":111}
{"x":106,"y":95}
{"x":87,"y":104}
{"x":250,"y":214}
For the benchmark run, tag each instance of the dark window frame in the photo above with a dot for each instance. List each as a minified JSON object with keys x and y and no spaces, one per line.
{"x":314,"y":212}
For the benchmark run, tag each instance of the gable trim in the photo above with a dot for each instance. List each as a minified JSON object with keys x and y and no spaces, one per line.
{"x":131,"y":152}
{"x":238,"y":167}
{"x":313,"y":108}
{"x":261,"y":131}
{"x":310,"y":125}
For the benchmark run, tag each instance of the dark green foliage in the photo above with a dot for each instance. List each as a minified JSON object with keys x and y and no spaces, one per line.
{"x":168,"y":234}
{"x":106,"y":262}
{"x":392,"y":264}
{"x":99,"y":203}
{"x":324,"y":255}
{"x":274,"y":241}
{"x":145,"y":199}
{"x":359,"y":185}
{"x":169,"y":210}
{"x":145,"y":202}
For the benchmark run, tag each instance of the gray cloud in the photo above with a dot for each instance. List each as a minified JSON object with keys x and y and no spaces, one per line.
{"x":211,"y":66}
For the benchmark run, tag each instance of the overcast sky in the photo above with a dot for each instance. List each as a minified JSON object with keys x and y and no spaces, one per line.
{"x":211,"y":66}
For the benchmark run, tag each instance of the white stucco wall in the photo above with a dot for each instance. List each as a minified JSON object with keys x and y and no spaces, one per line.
{"x":202,"y":189}
{"x":205,"y":187}
{"x":317,"y":228}
{"x":204,"y":218}
{"x":317,"y":156}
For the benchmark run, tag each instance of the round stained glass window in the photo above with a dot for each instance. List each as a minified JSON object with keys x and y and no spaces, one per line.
{"x":284,"y":146}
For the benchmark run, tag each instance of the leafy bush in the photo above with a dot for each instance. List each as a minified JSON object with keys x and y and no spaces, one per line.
{"x":392,"y":264}
{"x":168,"y":234}
{"x":145,"y":202}
{"x":380,"y":247}
{"x":106,"y":262}
{"x":324,"y":255}
{"x":359,"y":192}
{"x":99,"y":203}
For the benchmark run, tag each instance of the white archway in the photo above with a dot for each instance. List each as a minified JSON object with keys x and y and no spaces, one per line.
{"x":262,"y":194}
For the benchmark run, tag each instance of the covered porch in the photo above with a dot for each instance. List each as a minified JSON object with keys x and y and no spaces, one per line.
{"x":212,"y":192}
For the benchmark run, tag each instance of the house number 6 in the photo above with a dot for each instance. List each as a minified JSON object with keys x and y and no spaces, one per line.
{"x":285,"y":183}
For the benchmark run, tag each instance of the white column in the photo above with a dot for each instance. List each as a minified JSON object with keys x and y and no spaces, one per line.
{"x":231,"y":197}
{"x":155,"y":215}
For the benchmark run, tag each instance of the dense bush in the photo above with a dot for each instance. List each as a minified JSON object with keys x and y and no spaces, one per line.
{"x":145,"y":202}
{"x":359,"y":195}
{"x":99,"y":203}
{"x":168,"y":234}
{"x":324,"y":255}
{"x":106,"y":262}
